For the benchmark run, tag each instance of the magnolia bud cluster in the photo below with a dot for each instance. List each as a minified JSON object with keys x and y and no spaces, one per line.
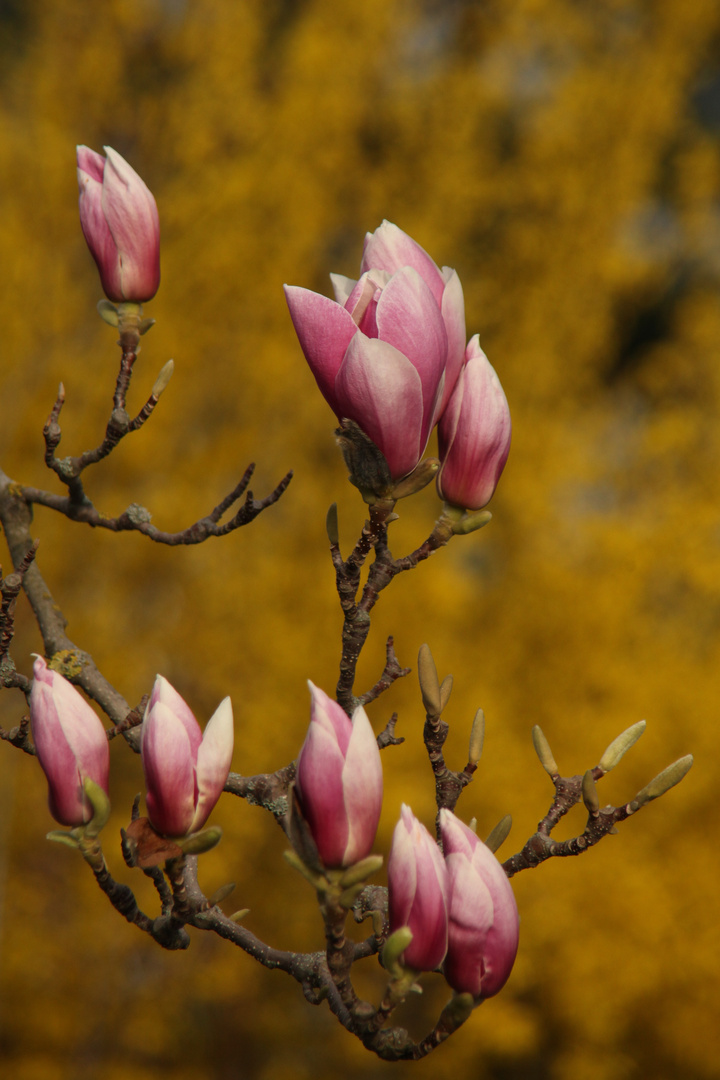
{"x":459,"y":907}
{"x":389,"y":354}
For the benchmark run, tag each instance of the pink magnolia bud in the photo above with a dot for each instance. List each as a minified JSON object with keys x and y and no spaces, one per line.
{"x":185,"y":770}
{"x":339,"y":781}
{"x":120,"y":221}
{"x":417,"y":892}
{"x":388,"y":351}
{"x":473,"y":434}
{"x":483,"y":916}
{"x":71,"y":744}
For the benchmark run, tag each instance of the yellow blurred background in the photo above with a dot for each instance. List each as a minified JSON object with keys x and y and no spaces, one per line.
{"x":564,"y":157}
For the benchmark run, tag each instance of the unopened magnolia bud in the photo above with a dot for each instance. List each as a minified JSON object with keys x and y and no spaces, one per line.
{"x":499,"y":834}
{"x":331,"y":524}
{"x":477,"y":737}
{"x":163,"y":378}
{"x":589,"y":793}
{"x":665,"y":780}
{"x":620,"y":746}
{"x":429,"y":684}
{"x":543,"y":751}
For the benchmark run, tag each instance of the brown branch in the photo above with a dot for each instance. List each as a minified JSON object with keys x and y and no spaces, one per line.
{"x":541,"y":846}
{"x":356,"y":623}
{"x":138,"y":519}
{"x":79,"y":667}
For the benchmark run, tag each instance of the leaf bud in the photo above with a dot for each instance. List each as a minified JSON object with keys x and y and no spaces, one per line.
{"x":620,"y":746}
{"x":543,"y":751}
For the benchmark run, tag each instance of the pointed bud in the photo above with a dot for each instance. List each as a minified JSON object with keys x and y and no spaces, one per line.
{"x":483,"y":922}
{"x":589,"y":793}
{"x":119,"y":218}
{"x":665,"y":780}
{"x":620,"y":746}
{"x":166,"y":373}
{"x":499,"y":834}
{"x":331,"y":525}
{"x":543,"y":751}
{"x":185,"y":770}
{"x":417,"y":888}
{"x":429,"y":684}
{"x":339,"y":781}
{"x":477,"y":738}
{"x":71,"y":744}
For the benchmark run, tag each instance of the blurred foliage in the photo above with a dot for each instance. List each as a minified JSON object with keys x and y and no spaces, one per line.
{"x":564,"y":156}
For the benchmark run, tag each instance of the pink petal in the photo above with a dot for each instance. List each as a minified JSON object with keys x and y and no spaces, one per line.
{"x":362,"y":787}
{"x":320,"y":790}
{"x":410,"y":320}
{"x":453,"y":313}
{"x":324,"y":330}
{"x":331,"y":716}
{"x":168,"y":763}
{"x":389,"y":248}
{"x":213,"y":761}
{"x":165,"y":693}
{"x":380,"y":389}
{"x":132,"y":217}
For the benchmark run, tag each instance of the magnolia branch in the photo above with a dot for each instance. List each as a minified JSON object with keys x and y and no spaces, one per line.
{"x":137,"y":519}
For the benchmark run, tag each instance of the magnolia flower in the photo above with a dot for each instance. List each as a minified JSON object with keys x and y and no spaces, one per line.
{"x":71,"y":744}
{"x":119,"y":218}
{"x":473,"y":434}
{"x":388,"y":351}
{"x":417,"y":892}
{"x":339,"y":781}
{"x":185,"y":769}
{"x":483,"y":922}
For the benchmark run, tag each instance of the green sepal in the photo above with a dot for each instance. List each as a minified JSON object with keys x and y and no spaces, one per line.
{"x":200,"y":842}
{"x":361,"y":871}
{"x":318,"y":881}
{"x":145,"y":325}
{"x":108,"y":313}
{"x":470,"y":523}
{"x":62,"y":837}
{"x":393,"y":949}
{"x":101,"y":807}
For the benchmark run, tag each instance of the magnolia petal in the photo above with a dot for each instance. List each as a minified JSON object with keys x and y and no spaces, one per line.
{"x":320,"y":790}
{"x":390,"y":249}
{"x":213,"y":761}
{"x":380,"y":389}
{"x":409,"y":319}
{"x":331,"y":716}
{"x":402,"y":872}
{"x":324,"y":330}
{"x":470,"y":918}
{"x":169,"y":766}
{"x":165,"y":693}
{"x":132,"y":217}
{"x":362,"y":788}
{"x":453,"y":313}
{"x":95,"y":228}
{"x":342,"y":287}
